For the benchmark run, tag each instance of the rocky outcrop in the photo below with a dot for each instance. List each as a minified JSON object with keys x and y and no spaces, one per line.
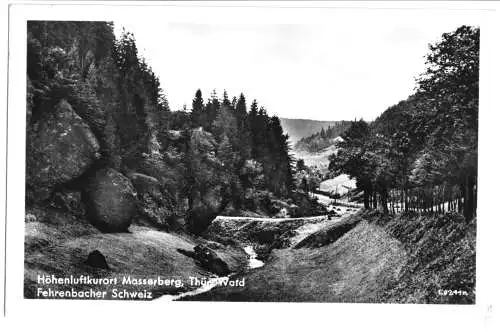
{"x":111,"y":201}
{"x":69,"y":201}
{"x":153,"y":205}
{"x":146,"y":185}
{"x":208,"y":259}
{"x":60,"y":148}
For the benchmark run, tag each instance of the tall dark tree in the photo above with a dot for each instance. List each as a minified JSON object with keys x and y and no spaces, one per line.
{"x":225,"y":99}
{"x":198,"y":110}
{"x":244,"y":144}
{"x":353,"y":158}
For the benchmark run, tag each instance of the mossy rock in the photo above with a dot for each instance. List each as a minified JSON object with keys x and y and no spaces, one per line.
{"x":111,"y":201}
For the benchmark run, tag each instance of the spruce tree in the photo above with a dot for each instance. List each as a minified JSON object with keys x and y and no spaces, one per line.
{"x":198,"y":112}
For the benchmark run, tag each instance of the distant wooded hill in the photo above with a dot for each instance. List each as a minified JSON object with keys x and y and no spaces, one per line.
{"x":323,"y":138}
{"x":300,"y":128}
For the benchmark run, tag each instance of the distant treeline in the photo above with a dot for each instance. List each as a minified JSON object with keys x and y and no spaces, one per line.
{"x":217,"y":156}
{"x":421,"y":154}
{"x":324,"y":138}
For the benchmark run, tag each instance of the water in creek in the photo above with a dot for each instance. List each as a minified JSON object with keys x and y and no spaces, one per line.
{"x":210,"y":283}
{"x":253,"y":262}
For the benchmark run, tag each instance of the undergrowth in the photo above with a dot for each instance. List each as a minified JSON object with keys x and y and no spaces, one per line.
{"x":441,"y":252}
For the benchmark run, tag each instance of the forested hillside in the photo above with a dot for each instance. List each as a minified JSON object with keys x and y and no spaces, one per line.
{"x":100,"y":134}
{"x":421,"y":154}
{"x":323,"y":138}
{"x":297,"y":129}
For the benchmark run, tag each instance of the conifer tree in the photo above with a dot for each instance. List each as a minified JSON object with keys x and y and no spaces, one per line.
{"x":198,"y":112}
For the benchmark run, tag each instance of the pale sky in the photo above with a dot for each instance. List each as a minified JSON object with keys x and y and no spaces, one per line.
{"x":336,"y":64}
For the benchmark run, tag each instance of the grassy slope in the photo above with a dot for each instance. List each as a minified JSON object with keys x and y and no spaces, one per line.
{"x":318,"y":159}
{"x":442,"y":255}
{"x":352,"y":269}
{"x":406,"y":258}
{"x":61,"y":246}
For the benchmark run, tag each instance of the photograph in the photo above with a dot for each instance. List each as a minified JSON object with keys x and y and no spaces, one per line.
{"x":329,"y":155}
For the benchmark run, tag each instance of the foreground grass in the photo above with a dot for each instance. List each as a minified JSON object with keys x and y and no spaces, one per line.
{"x":441,"y":257}
{"x":369,"y":257}
{"x":60,"y":245}
{"x":352,"y":269}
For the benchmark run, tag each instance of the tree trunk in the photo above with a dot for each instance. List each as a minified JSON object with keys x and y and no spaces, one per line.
{"x":366,"y":199}
{"x":474,"y":195}
{"x":469,"y":198}
{"x":393,"y":205}
{"x":402,"y":201}
{"x":406,"y":199}
{"x":383,"y":200}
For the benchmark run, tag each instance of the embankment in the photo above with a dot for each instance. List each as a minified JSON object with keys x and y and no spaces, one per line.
{"x":368,"y":257}
{"x":60,"y":246}
{"x":441,"y":252}
{"x":267,"y":234}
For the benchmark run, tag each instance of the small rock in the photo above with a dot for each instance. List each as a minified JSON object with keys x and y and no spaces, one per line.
{"x":96,"y":259}
{"x":209,"y":259}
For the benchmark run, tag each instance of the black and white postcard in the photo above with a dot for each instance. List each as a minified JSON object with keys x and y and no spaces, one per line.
{"x":248,"y":152}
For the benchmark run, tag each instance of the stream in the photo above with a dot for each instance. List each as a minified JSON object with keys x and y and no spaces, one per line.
{"x":253,"y":263}
{"x":315,"y":224}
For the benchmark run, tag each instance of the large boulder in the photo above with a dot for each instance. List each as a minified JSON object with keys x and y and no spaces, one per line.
{"x":60,"y":148}
{"x":111,"y":201}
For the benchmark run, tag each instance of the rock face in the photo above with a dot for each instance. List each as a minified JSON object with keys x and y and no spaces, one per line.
{"x":146,"y":185}
{"x":153,"y":204}
{"x":70,"y":201}
{"x":29,"y":99}
{"x":111,"y":201}
{"x":60,"y":148}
